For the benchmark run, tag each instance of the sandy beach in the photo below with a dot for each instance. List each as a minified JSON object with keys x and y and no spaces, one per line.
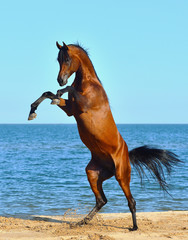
{"x":155,"y":225}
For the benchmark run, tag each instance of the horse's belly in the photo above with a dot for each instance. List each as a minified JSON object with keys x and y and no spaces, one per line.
{"x":100,"y":135}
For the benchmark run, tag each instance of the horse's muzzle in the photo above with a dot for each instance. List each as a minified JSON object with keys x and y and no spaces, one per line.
{"x":62,"y":80}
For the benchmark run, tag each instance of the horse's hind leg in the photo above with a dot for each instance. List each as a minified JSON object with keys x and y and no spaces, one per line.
{"x":96,"y":175}
{"x":34,"y":105}
{"x":123,"y":176}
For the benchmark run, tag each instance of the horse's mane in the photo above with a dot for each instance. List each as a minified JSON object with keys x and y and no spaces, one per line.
{"x":78,"y":45}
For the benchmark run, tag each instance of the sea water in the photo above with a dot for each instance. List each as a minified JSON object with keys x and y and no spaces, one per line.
{"x":42,"y":170}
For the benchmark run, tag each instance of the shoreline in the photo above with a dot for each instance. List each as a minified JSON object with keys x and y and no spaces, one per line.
{"x":104,"y":226}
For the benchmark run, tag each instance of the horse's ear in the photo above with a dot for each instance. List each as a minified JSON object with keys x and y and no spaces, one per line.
{"x":58,"y":45}
{"x":65,"y":46}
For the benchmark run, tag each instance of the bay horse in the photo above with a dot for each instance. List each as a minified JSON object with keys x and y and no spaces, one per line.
{"x":88,"y":103}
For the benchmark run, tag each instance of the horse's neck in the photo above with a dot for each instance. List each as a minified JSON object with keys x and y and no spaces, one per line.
{"x":86,"y":74}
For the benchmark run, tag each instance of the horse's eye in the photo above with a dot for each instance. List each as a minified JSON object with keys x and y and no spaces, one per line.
{"x":67,"y":60}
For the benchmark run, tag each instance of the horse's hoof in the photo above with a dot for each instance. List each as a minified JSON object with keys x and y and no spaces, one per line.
{"x":78,"y":224}
{"x":134,"y":228}
{"x":55,"y":101}
{"x":32,"y":116}
{"x":73,"y":225}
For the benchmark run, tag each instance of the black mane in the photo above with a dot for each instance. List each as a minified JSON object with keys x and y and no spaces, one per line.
{"x":86,"y":52}
{"x":78,"y":45}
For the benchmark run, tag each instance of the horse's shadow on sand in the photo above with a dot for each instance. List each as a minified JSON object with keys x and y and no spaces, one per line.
{"x":48,"y":219}
{"x":74,"y":223}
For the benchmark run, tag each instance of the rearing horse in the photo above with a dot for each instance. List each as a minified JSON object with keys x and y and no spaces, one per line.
{"x":88,"y":103}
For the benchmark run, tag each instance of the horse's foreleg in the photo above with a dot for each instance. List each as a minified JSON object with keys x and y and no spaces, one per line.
{"x":96,"y":175}
{"x":80,"y":100}
{"x":34,"y":105}
{"x":56,"y":98}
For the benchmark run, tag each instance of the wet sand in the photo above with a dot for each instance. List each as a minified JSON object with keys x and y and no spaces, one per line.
{"x":152,"y":226}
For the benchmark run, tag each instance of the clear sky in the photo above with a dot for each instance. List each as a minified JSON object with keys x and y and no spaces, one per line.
{"x":139,"y":50}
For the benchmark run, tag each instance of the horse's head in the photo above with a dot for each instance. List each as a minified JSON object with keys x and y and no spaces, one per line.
{"x":68,"y":63}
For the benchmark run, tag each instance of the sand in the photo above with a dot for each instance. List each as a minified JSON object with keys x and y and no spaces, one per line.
{"x":152,"y":226}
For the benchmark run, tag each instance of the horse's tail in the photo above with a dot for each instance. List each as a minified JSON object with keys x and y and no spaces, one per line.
{"x":154,"y":160}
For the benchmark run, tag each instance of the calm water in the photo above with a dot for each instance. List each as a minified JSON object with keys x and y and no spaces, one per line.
{"x":42,"y":170}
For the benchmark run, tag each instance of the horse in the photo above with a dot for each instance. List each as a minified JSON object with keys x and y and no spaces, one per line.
{"x":88,"y":103}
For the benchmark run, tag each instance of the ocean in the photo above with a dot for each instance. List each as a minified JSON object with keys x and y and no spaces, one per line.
{"x":42,"y":170}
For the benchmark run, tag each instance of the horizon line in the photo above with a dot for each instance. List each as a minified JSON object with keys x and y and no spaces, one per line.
{"x":76,"y":123}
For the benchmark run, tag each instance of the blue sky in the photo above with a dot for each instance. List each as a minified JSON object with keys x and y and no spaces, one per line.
{"x":139,"y":50}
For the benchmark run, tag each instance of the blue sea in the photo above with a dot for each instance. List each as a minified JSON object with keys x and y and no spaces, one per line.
{"x":42,"y":170}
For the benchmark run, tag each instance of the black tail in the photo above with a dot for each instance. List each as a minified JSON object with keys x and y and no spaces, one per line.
{"x":154,"y":160}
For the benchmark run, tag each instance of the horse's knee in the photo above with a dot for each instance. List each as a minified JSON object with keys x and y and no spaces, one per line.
{"x":100,"y":202}
{"x":46,"y":94}
{"x":92,"y":174}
